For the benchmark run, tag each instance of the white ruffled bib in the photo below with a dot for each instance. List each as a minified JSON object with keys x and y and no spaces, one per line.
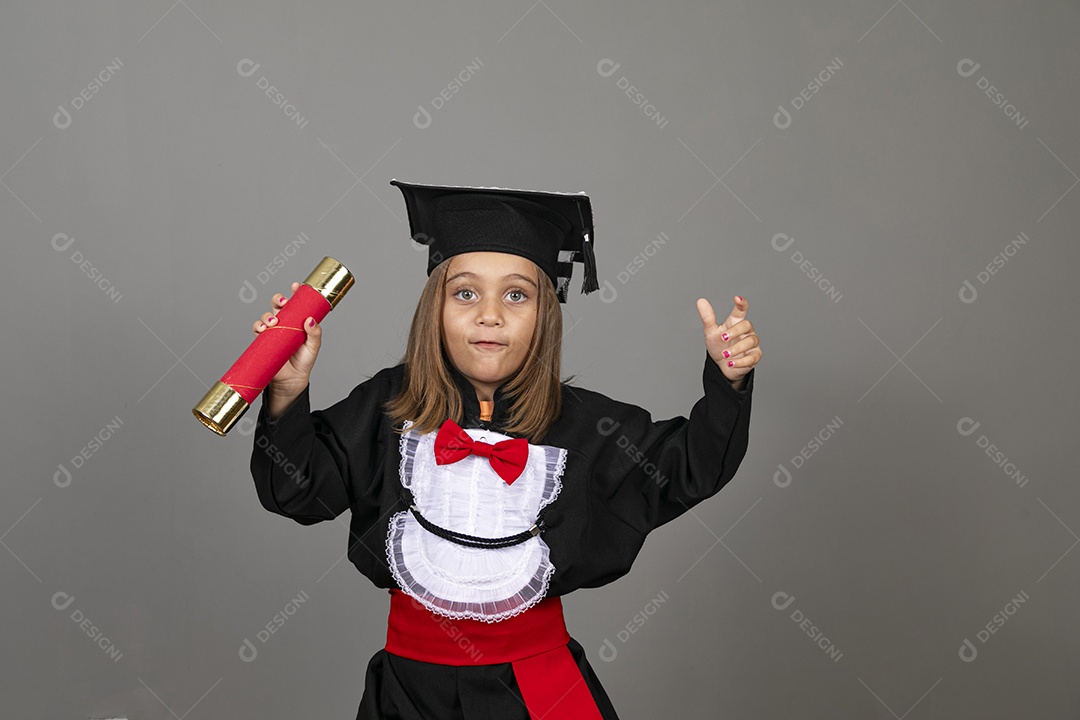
{"x":468,"y":496}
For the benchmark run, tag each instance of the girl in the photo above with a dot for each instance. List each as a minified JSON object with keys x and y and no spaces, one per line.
{"x":481,"y":487}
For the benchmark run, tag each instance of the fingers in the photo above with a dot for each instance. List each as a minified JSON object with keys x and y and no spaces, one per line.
{"x":741,"y":347}
{"x":747,"y":359}
{"x":278,"y":300}
{"x":732,"y":330}
{"x":743,"y":327}
{"x":269,"y":319}
{"x":708,"y":316}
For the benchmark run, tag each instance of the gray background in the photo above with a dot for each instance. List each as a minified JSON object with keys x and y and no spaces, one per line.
{"x":898,"y":181}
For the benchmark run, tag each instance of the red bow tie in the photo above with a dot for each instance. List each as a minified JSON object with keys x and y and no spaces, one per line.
{"x":507,"y":457}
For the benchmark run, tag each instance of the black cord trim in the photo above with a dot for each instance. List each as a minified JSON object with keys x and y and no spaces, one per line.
{"x":474,"y":540}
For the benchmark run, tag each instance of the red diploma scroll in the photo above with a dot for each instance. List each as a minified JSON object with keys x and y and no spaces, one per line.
{"x":229,"y":398}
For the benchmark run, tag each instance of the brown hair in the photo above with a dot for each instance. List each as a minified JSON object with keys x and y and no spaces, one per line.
{"x":429,"y":395}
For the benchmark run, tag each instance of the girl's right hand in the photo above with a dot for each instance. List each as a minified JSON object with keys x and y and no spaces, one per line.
{"x":293,"y":377}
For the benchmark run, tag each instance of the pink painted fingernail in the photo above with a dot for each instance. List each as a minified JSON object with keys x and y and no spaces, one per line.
{"x":727,"y":354}
{"x":731,"y":363}
{"x":725,"y":336}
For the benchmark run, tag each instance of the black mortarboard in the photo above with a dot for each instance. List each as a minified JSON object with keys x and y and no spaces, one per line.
{"x":554,"y":230}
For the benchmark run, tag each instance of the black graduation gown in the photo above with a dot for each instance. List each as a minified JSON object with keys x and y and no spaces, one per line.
{"x":624,"y":476}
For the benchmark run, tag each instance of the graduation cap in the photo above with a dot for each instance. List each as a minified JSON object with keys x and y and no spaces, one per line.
{"x":554,"y":230}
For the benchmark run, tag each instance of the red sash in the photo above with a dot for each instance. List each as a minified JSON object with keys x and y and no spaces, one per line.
{"x":534,"y":642}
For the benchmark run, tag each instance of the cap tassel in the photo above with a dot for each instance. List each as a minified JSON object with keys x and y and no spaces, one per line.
{"x":589,"y":284}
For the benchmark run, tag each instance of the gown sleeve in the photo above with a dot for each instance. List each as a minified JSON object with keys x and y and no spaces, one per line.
{"x":649,"y":473}
{"x":312,"y":466}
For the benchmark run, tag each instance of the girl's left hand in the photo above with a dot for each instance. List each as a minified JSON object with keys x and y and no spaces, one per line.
{"x":740,"y":352}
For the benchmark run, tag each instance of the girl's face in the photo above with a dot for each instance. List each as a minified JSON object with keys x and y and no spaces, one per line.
{"x":489,"y":296}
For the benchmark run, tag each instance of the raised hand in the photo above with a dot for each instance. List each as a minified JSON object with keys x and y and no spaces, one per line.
{"x":733,"y":345}
{"x":293,"y":376}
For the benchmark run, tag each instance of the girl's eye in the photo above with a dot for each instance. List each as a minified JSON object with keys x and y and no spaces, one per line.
{"x":522,"y":293}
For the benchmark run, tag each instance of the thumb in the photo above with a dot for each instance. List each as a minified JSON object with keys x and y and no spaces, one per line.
{"x":312,"y":341}
{"x":708,"y":316}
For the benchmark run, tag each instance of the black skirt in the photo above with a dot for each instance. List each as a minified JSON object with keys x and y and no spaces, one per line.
{"x":398,"y":688}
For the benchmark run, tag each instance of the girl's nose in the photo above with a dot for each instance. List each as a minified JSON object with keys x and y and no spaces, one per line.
{"x":489,"y":312}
